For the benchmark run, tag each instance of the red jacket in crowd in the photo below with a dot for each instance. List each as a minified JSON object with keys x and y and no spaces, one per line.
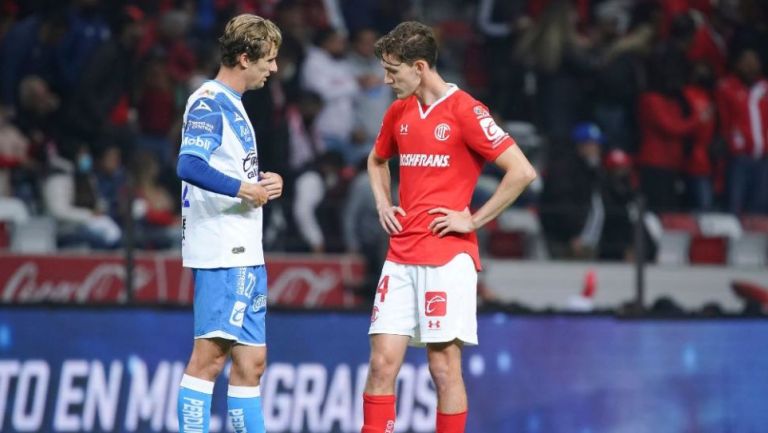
{"x":663,"y":129}
{"x":703,"y":108}
{"x":744,"y":115}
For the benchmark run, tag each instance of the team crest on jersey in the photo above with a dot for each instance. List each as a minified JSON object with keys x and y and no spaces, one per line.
{"x":442,"y":132}
{"x":202,"y":106}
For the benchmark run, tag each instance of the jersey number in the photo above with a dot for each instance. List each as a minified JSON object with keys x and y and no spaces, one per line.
{"x":383,"y":288}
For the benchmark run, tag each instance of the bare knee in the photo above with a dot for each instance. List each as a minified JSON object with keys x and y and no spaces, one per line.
{"x":445,"y":368}
{"x":206,"y":364}
{"x":382,"y":371}
{"x":247,"y":370}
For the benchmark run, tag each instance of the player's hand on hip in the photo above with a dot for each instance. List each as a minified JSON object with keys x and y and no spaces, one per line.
{"x":253,"y":193}
{"x":451,"y":221}
{"x":388,"y":218}
{"x":273,"y":183}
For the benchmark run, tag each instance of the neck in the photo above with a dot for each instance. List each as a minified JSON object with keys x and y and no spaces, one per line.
{"x":432,"y":88}
{"x":231,"y":78}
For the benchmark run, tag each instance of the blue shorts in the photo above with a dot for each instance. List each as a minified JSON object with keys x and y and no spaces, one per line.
{"x":231,"y":303}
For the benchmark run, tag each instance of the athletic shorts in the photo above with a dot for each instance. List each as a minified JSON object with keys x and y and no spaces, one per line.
{"x":231,"y":303}
{"x":430,"y":304}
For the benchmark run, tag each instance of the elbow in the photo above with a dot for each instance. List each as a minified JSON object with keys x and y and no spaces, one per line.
{"x":527,"y":175}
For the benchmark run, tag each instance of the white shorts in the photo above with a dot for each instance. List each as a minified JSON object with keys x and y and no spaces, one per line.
{"x":430,"y":304}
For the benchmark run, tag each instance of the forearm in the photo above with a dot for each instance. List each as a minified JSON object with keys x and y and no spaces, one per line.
{"x":381,"y":181}
{"x":510,"y":188}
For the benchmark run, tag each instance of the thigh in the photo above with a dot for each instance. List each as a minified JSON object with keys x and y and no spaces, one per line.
{"x":394,"y":306}
{"x":222,"y":300}
{"x":254,"y":324}
{"x":447,"y":302}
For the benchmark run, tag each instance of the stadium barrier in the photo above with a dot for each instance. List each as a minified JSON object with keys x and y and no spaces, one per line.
{"x":117,"y":370}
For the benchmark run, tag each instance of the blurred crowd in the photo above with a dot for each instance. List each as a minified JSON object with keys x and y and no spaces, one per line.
{"x":612,"y":99}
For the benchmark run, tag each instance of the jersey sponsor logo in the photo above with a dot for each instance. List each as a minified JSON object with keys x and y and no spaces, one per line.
{"x":197,"y":142}
{"x":442,"y":131}
{"x":492,"y":132}
{"x":435,"y":303}
{"x":424,"y":160}
{"x":202,"y":106}
{"x":199,"y":125}
{"x":251,"y":165}
{"x":259,"y":302}
{"x":238,"y":314}
{"x":481,"y":112}
{"x":246,"y":281}
{"x":403,"y":129}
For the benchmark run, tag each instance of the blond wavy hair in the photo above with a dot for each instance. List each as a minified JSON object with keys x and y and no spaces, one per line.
{"x":250,"y":34}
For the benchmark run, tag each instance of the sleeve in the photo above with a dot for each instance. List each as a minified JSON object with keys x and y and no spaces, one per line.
{"x":202,"y":129}
{"x":480,"y":131}
{"x":656,"y":113}
{"x":309,"y":194}
{"x":386,"y":145}
{"x":194,"y":170}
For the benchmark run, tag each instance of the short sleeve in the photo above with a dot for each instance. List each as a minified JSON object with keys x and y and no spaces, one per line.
{"x":202,"y":129}
{"x":386,"y":145}
{"x":480,"y":131}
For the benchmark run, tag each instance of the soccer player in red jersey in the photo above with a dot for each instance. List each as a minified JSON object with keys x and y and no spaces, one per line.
{"x":428,"y":286}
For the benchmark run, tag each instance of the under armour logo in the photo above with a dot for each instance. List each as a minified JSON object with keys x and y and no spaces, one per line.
{"x":433,"y":325}
{"x":404,"y":128}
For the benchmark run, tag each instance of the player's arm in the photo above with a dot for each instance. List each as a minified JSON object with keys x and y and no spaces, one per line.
{"x":381,"y":184}
{"x":201,"y":136}
{"x":481,"y":133}
{"x":378,"y":171}
{"x":518,"y":174}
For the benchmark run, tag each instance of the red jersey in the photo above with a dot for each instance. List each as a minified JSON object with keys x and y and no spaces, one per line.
{"x":442,"y":149}
{"x":744,"y":116}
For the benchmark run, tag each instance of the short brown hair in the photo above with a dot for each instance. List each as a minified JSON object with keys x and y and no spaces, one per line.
{"x":408,"y":42}
{"x":249,"y":34}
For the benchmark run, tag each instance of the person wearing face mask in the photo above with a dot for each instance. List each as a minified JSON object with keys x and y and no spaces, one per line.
{"x":70,"y":196}
{"x":571,"y":211}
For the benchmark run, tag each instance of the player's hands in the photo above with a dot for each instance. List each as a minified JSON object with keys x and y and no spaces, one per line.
{"x":451,"y":221}
{"x":388,"y":218}
{"x":253,"y":193}
{"x":273,"y":183}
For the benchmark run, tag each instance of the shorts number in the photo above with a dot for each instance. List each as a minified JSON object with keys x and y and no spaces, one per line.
{"x":383,"y":288}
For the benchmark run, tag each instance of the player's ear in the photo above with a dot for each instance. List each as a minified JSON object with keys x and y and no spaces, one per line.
{"x":243,"y":60}
{"x":421,"y":66}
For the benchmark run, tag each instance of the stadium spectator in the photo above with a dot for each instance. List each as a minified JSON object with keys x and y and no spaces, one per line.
{"x":572,"y":210}
{"x":665,"y":123}
{"x":14,"y":149}
{"x":158,"y":224}
{"x":71,"y":198}
{"x":699,"y":146}
{"x":742,"y":100}
{"x":374,"y":97}
{"x":327,"y":73}
{"x":103,"y":104}
{"x":317,"y":204}
{"x":33,"y":47}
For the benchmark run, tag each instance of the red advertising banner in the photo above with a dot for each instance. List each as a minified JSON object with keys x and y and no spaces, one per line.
{"x":294,"y":280}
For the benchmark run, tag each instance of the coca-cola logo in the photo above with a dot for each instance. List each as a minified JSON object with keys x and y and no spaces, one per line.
{"x":303,"y":286}
{"x":105,"y":282}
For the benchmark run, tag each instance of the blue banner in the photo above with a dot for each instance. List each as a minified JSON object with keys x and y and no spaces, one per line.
{"x":115,"y":370}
